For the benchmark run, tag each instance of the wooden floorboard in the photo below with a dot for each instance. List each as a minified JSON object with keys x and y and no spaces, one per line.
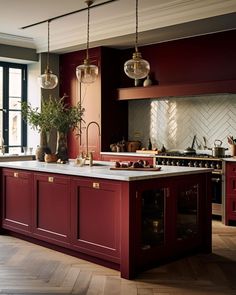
{"x":30,"y":269}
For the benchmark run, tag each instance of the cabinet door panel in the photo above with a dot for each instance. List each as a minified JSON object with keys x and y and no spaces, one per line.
{"x":231,"y":208}
{"x":231,"y":185}
{"x":153,"y":231}
{"x":52,"y":207}
{"x":191,"y":203}
{"x":187,"y":210}
{"x":96,"y":218}
{"x":92,"y":228}
{"x":230,"y":213}
{"x":17,"y":200}
{"x":231,"y":169}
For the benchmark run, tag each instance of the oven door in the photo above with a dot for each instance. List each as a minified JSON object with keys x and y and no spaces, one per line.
{"x":216,"y":181}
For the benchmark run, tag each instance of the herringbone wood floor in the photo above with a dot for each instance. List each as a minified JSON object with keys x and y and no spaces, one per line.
{"x":30,"y":269}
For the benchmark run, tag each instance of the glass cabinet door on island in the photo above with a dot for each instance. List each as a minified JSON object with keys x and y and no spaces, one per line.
{"x":153,"y":218}
{"x":188,"y":223}
{"x":187,"y":212}
{"x":152,"y":227}
{"x":168,"y":218}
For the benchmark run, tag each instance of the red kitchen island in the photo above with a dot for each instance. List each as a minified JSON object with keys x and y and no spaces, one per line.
{"x":127,"y":220}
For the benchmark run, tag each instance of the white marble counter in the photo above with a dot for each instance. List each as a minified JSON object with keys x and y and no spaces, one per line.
{"x":102,"y":170}
{"x":233,"y":159}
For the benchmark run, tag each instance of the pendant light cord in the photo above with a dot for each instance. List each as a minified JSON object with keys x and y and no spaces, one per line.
{"x":48,"y":44}
{"x":136,"y":33}
{"x":87,"y":49}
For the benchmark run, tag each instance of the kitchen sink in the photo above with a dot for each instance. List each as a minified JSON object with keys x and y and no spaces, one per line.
{"x":98,"y":164}
{"x":95,"y":163}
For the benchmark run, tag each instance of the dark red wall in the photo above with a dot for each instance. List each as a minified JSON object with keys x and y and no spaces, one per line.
{"x":207,"y":58}
{"x":197,"y":59}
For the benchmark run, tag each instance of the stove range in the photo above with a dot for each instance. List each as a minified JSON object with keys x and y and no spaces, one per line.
{"x":191,"y":160}
{"x":189,"y":155}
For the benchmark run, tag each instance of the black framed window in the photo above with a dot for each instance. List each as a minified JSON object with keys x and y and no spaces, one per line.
{"x":13,"y":90}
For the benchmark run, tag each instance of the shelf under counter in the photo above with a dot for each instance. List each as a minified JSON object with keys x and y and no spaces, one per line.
{"x":16,"y":157}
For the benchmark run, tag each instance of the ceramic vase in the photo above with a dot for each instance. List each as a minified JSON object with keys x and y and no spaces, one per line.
{"x":233,"y":150}
{"x":147,"y":82}
{"x":61,"y":149}
{"x":43,"y":148}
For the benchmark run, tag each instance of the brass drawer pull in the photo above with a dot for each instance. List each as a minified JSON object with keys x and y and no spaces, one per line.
{"x":16,"y":174}
{"x":96,"y":185}
{"x":50,"y":179}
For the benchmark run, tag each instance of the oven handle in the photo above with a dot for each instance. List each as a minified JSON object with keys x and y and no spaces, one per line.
{"x":216,"y":179}
{"x":217,"y":172}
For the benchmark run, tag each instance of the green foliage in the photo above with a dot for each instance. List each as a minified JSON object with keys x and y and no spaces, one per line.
{"x":54,"y":114}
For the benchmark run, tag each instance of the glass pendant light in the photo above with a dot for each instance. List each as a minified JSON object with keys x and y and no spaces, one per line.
{"x":137,"y":68}
{"x":87,"y":73}
{"x":48,"y":80}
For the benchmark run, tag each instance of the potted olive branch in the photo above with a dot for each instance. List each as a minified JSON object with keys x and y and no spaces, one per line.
{"x":54,"y":113}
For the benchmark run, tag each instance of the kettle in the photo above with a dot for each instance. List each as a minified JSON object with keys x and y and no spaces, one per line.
{"x":217,"y":150}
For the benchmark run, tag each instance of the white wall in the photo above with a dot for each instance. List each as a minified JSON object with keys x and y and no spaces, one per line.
{"x":34,"y":97}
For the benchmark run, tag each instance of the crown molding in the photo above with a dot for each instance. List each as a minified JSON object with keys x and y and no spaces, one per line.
{"x":116,"y":24}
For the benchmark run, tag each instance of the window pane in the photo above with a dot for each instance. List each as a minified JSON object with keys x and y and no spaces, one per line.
{"x":14,"y":103}
{"x":1,"y":87}
{"x":1,"y":127}
{"x":15,"y":82}
{"x":15,"y":150}
{"x":14,"y":128}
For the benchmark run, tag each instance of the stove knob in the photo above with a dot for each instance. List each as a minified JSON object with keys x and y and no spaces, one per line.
{"x":168,"y":162}
{"x":201,"y":164}
{"x":163,"y":162}
{"x":173,"y":163}
{"x":212,"y":165}
{"x":195,"y":164}
{"x":190,"y":164}
{"x":177,"y":163}
{"x":218,"y":166}
{"x":207,"y":165}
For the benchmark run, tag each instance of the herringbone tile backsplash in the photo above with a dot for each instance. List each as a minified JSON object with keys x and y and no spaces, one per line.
{"x":174,"y":121}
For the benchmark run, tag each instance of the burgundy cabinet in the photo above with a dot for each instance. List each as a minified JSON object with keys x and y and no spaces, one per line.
{"x":173,"y":216}
{"x":52,"y":208}
{"x":230,"y":200}
{"x":17,"y":200}
{"x":95,"y":218}
{"x":98,"y":99}
{"x":172,"y":73}
{"x":152,"y":222}
{"x":189,"y":222}
{"x":127,"y":225}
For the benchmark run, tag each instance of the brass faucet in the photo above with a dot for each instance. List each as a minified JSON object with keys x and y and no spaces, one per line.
{"x":89,"y":156}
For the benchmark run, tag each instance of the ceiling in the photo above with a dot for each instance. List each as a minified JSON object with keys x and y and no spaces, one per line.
{"x":112,"y":22}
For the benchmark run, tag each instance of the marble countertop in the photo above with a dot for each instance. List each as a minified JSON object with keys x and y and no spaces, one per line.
{"x":101,"y":169}
{"x":233,"y":159}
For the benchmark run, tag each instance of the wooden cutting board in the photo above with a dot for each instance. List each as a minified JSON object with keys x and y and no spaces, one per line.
{"x":147,"y":152}
{"x":137,"y":169}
